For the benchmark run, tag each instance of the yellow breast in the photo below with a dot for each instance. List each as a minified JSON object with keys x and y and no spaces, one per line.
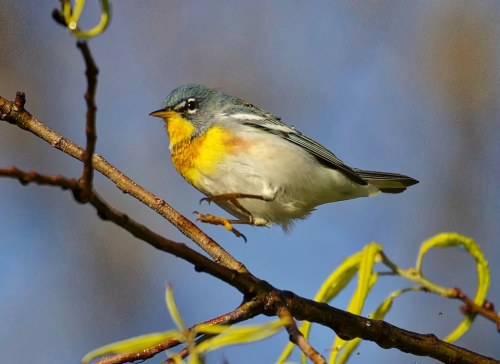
{"x":199,"y":156}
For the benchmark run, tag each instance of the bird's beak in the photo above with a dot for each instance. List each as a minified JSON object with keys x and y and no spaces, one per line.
{"x":162,"y":113}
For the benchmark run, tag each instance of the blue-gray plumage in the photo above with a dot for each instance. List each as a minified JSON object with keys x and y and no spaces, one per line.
{"x":270,"y":172}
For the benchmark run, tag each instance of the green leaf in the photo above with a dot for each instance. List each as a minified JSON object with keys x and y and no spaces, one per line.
{"x":236,"y":335}
{"x":446,"y":240}
{"x":72,"y":17}
{"x":173,"y":310}
{"x":366,"y":280}
{"x":133,"y":344}
{"x":330,"y":288}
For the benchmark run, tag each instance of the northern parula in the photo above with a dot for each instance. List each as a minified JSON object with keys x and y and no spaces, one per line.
{"x":254,"y":166}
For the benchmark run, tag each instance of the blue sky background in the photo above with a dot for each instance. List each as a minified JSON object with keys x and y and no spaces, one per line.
{"x":410,"y":87}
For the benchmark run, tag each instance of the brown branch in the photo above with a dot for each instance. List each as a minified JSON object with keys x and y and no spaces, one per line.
{"x":106,"y":212}
{"x":200,"y":262}
{"x":35,"y":177}
{"x":184,"y":353}
{"x":12,"y":108}
{"x":23,"y":119}
{"x":487,"y":310}
{"x":20,"y":100}
{"x":261,"y":294}
{"x":470,"y":307}
{"x":91,"y":72}
{"x":244,"y":312}
{"x":349,"y":326}
{"x":295,"y":336}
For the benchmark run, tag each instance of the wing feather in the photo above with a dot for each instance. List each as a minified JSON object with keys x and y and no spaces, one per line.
{"x":262,"y":120}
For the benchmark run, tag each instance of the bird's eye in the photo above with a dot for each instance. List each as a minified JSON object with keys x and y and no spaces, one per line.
{"x":191,"y":105}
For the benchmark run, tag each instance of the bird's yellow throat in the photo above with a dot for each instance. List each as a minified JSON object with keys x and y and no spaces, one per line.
{"x":178,"y":128}
{"x":198,"y":156}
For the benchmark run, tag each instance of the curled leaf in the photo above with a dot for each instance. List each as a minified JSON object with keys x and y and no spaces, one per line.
{"x":72,"y":16}
{"x":446,"y":240}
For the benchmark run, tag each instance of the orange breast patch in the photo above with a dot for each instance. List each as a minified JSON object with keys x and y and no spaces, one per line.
{"x":200,"y":156}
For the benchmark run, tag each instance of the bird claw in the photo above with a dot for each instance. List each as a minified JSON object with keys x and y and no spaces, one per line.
{"x":206,"y":199}
{"x":216,"y":220}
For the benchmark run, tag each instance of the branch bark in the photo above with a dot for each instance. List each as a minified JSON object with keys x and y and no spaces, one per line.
{"x":13,"y":114}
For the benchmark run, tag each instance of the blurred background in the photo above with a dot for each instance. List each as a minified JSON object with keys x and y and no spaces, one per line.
{"x":409,"y":87}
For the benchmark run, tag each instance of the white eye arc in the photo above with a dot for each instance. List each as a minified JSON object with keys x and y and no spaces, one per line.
{"x":191,"y":105}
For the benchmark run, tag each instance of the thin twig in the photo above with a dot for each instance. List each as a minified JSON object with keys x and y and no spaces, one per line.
{"x":185,"y":351}
{"x":35,"y":177}
{"x":91,"y":72}
{"x":106,"y":212}
{"x":241,"y":313}
{"x":487,"y":310}
{"x":295,"y":336}
{"x":470,"y":307}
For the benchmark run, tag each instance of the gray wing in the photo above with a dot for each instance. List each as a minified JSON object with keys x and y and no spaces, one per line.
{"x":260,"y":119}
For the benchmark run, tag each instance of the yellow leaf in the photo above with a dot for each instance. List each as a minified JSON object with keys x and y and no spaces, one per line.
{"x":236,"y":335}
{"x":173,"y":310}
{"x":133,"y":344}
{"x":446,"y":240}
{"x":72,"y":17}
{"x":366,"y":280}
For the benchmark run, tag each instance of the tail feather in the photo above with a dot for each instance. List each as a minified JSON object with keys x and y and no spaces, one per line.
{"x":386,"y":182}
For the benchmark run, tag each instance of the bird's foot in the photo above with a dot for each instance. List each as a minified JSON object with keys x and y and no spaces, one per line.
{"x":227,"y":223}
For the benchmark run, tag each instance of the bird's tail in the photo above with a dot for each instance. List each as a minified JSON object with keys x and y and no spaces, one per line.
{"x":386,"y":182}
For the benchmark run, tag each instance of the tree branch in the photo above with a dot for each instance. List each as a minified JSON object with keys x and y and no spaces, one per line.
{"x":244,"y":312}
{"x":295,"y":336}
{"x":470,"y":307}
{"x":385,"y":335}
{"x":23,"y":119}
{"x":265,"y":298}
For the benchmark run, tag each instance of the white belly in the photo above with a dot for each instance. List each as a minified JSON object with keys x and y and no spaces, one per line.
{"x":285,"y":174}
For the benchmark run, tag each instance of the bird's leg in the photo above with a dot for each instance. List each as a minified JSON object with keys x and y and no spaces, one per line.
{"x":227,"y":223}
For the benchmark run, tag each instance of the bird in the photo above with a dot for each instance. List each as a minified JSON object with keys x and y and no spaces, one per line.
{"x":254,"y":166}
